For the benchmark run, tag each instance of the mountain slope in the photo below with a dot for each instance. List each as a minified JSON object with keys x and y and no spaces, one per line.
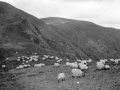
{"x":93,"y":40}
{"x":21,"y":32}
{"x":67,"y":38}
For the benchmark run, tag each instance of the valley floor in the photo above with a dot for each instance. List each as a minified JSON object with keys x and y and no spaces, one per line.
{"x":45,"y":78}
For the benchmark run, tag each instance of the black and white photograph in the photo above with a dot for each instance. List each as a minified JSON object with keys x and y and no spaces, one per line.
{"x":59,"y":44}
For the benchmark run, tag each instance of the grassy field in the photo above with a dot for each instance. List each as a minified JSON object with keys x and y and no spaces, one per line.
{"x":45,"y":78}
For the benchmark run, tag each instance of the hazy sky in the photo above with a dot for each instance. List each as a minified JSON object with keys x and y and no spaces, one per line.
{"x":102,"y":12}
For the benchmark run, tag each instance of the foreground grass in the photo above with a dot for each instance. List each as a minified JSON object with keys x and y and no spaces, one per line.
{"x":45,"y":78}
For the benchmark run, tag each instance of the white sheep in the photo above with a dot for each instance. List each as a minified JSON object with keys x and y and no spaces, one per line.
{"x":107,"y":67}
{"x":18,"y":59}
{"x":116,"y":61}
{"x":43,"y":58}
{"x":67,"y":59}
{"x":100,"y":65}
{"x":77,"y":73}
{"x":68,"y":63}
{"x":3,"y":66}
{"x":39,"y":65}
{"x":56,"y":58}
{"x":78,"y":60}
{"x":59,"y":60}
{"x":103,"y":61}
{"x":56,"y":64}
{"x":112,"y":60}
{"x":74,"y":65}
{"x":20,"y":67}
{"x":75,"y":62}
{"x":61,"y":77}
{"x":84,"y":62}
{"x":89,"y":60}
{"x":83,"y":66}
{"x":51,"y":57}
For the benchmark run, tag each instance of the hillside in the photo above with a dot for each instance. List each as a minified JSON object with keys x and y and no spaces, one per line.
{"x":66,"y":38}
{"x":22,"y":33}
{"x":91,"y":39}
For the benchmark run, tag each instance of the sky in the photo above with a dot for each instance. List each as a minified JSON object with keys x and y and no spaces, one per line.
{"x":102,"y":12}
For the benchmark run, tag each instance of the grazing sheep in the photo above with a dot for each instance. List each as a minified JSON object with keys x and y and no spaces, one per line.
{"x":56,"y":58}
{"x":112,"y":60}
{"x":68,"y":63}
{"x":3,"y":66}
{"x":116,"y":61}
{"x":78,"y":60}
{"x":77,"y":73}
{"x":39,"y":65}
{"x":51,"y":57}
{"x":84,"y":62}
{"x":107,"y":67}
{"x":61,"y":77}
{"x":67,"y":59}
{"x":89,"y":60}
{"x":59,"y":60}
{"x":18,"y":59}
{"x":20,"y":67}
{"x":43,"y":58}
{"x":83,"y":66}
{"x":75,"y":62}
{"x":74,"y":65}
{"x":103,"y":61}
{"x":100,"y":65}
{"x":56,"y":64}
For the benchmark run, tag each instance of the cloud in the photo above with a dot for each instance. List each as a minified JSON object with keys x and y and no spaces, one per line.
{"x":103,"y":12}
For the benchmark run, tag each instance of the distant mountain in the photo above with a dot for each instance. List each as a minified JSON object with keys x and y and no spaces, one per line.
{"x":21,"y":32}
{"x":89,"y":38}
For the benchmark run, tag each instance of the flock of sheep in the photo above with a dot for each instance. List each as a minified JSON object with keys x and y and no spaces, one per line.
{"x":78,"y":66}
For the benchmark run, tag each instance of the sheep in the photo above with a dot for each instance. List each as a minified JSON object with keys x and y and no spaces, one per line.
{"x":77,"y":73}
{"x":67,"y":59}
{"x":35,"y":53}
{"x":75,"y":62}
{"x":18,"y":59}
{"x":103,"y":61}
{"x":78,"y":60}
{"x":89,"y":60}
{"x":116,"y":61}
{"x":3,"y":66}
{"x":39,"y":65}
{"x":20,"y":67}
{"x":59,"y":60}
{"x":56,"y":58}
{"x":51,"y":57}
{"x":100,"y":65}
{"x":61,"y":76}
{"x":112,"y":60}
{"x":46,"y":56}
{"x":43,"y":58}
{"x":74,"y":65}
{"x":56,"y":64}
{"x":84,"y":62}
{"x":26,"y":65}
{"x":68,"y":63}
{"x":107,"y":67}
{"x":83,"y":66}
